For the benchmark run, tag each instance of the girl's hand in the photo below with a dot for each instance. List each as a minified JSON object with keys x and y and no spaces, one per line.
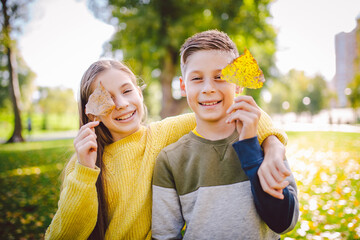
{"x":85,"y":144}
{"x":246,"y":114}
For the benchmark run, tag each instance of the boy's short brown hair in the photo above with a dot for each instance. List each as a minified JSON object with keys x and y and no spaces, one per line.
{"x":207,"y":40}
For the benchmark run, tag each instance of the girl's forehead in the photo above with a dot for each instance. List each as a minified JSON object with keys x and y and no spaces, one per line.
{"x":112,"y":78}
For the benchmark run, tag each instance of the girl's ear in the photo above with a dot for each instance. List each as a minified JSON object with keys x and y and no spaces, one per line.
{"x":182,"y":87}
{"x":140,"y":93}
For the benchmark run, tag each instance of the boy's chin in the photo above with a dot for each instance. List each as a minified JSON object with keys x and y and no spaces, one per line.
{"x":211,"y":118}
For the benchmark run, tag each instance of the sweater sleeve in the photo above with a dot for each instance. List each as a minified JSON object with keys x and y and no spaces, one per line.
{"x":172,"y":129}
{"x":280,"y":215}
{"x":78,"y":205}
{"x":167,"y":219}
{"x":266,"y":128}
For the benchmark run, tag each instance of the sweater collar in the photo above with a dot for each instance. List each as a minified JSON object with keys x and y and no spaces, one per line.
{"x":223,"y":141}
{"x":127,"y":141}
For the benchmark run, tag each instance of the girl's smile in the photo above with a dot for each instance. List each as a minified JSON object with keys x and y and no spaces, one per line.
{"x":125,"y":119}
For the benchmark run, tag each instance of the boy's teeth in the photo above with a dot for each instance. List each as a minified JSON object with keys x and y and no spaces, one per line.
{"x":209,"y":104}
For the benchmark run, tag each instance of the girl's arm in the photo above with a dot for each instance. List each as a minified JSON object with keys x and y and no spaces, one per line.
{"x":266,"y":128}
{"x":78,"y":205}
{"x":172,"y":129}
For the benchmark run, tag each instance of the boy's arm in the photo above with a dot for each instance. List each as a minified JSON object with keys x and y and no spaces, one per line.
{"x":280,"y":215}
{"x":167,"y":219}
{"x":272,"y":172}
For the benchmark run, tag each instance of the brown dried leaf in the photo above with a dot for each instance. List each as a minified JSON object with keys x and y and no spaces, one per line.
{"x":100,"y":102}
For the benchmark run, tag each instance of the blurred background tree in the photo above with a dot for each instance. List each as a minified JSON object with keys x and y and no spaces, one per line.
{"x":26,"y":79}
{"x":296,"y":92}
{"x":14,"y":13}
{"x":353,"y":95}
{"x":149,"y":35}
{"x":56,"y":101}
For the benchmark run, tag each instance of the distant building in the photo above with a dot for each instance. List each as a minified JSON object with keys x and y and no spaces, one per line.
{"x":347,"y":50}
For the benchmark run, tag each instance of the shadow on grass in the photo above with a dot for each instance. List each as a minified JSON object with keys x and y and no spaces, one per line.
{"x":30,"y":180}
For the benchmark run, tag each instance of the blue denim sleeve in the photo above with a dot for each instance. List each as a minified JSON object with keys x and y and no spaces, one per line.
{"x":276,"y":213}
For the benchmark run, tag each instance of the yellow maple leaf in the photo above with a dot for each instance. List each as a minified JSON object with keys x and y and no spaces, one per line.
{"x":244,"y":72}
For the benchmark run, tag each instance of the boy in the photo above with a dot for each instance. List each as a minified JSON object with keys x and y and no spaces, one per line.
{"x":199,"y":180}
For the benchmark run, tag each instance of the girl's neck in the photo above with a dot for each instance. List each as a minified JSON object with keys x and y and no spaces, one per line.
{"x":214,"y":130}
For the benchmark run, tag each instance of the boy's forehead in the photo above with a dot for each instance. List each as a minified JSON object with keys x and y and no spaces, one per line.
{"x":208,"y":60}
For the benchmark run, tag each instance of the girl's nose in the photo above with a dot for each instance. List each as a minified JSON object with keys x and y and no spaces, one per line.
{"x":121,"y":103}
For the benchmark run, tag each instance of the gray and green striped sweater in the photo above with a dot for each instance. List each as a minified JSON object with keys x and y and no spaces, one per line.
{"x":202,"y":183}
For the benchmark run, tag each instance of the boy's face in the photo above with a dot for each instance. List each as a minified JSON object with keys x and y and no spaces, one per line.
{"x":207,"y":94}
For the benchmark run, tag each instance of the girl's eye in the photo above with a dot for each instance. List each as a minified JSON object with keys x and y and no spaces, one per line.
{"x":196,"y":78}
{"x":127,"y":91}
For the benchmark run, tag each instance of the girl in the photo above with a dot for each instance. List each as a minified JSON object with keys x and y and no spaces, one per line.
{"x":106,"y":191}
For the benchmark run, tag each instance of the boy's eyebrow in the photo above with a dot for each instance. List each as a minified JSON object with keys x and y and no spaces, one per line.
{"x":199,"y":71}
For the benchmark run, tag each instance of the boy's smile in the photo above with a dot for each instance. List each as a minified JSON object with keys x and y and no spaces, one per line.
{"x":207,"y":94}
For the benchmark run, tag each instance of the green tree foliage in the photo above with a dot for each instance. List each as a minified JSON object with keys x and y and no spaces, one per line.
{"x":150,"y":32}
{"x":299,"y":93}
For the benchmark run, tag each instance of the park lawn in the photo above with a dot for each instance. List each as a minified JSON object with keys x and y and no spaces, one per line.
{"x":326,"y":166}
{"x":53,"y":123}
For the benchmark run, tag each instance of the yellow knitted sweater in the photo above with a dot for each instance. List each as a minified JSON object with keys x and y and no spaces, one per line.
{"x":128,"y":169}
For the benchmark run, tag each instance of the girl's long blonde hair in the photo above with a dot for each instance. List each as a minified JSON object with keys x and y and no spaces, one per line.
{"x":103,"y":135}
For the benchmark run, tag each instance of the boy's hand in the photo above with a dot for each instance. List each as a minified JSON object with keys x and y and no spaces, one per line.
{"x":246,"y":114}
{"x":272,"y":171}
{"x":85,"y":144}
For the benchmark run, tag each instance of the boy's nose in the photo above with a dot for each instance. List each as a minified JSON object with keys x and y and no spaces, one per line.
{"x":208,"y":87}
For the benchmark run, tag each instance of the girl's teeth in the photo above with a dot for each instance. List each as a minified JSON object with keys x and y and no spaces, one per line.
{"x":125,"y":117}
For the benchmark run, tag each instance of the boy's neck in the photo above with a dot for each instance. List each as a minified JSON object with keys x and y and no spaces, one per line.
{"x":214,"y":130}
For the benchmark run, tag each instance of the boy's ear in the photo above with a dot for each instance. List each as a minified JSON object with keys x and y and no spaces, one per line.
{"x":182,"y":87}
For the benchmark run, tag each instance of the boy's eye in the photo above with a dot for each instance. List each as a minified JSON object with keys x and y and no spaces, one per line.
{"x":218,"y":78}
{"x":195,"y":78}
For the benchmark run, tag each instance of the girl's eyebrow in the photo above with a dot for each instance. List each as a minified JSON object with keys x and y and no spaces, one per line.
{"x":125,"y":85}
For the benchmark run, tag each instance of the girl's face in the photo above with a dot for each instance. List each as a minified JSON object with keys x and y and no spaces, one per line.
{"x":125,"y":119}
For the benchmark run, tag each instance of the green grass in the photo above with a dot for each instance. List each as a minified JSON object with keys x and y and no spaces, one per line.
{"x":29,"y":176}
{"x":53,"y":123}
{"x":326,"y":166}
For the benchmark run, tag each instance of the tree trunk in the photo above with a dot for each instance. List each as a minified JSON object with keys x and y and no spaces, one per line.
{"x":170,"y":106}
{"x":14,"y":88}
{"x":15,"y":96}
